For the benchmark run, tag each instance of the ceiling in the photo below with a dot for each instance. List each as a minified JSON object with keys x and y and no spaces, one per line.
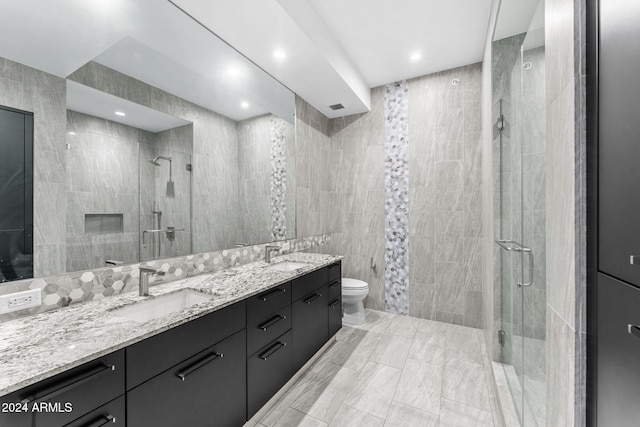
{"x":150,"y":40}
{"x":336,"y":50}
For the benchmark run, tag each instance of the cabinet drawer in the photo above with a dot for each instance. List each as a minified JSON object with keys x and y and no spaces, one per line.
{"x":334,"y":271}
{"x":335,"y":289}
{"x":267,"y":371}
{"x":85,"y":388}
{"x":310,"y":325}
{"x":335,"y":316}
{"x":268,"y":328}
{"x":156,"y":354}
{"x":205,"y":390}
{"x":308,"y":283}
{"x":111,"y":414}
{"x":267,"y":302}
{"x":618,"y":353}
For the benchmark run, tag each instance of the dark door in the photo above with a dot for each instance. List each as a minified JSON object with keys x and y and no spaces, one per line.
{"x":310,"y":325}
{"x":619,"y":139}
{"x":16,"y":194}
{"x":206,"y":390}
{"x":618,"y":355}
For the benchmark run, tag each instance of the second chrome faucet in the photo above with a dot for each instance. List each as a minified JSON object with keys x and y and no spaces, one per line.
{"x":145,"y":273}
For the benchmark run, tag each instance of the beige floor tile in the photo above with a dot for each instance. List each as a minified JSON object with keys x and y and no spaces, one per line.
{"x":374,"y":389}
{"x":404,"y":326}
{"x":455,"y":414}
{"x":352,"y":417}
{"x":328,"y":390}
{"x":428,"y":348}
{"x":401,"y":415}
{"x":293,"y":418}
{"x":392,"y":350}
{"x":420,"y":386}
{"x":464,"y":381}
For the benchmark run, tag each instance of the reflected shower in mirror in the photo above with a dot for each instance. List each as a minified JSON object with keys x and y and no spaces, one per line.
{"x":145,"y":145}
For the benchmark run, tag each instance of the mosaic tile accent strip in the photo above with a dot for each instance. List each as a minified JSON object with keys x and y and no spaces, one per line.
{"x":278,"y":179}
{"x":396,"y":189}
{"x":65,"y":289}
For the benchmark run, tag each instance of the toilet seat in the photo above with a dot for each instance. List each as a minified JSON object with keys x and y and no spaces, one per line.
{"x":354,"y":284}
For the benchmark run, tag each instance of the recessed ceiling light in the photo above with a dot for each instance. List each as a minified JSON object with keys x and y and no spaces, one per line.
{"x":244,"y":104}
{"x":415,"y":56}
{"x":279,"y":54}
{"x":233,"y":71}
{"x":120,"y":113}
{"x":71,"y":133}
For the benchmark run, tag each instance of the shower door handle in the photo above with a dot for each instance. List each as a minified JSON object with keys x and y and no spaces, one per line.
{"x":529,"y":253}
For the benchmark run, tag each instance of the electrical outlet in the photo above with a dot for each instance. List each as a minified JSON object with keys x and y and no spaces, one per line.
{"x":20,"y":301}
{"x":286,"y":246}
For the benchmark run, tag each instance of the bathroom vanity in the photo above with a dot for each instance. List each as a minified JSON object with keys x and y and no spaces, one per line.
{"x":216,"y":362}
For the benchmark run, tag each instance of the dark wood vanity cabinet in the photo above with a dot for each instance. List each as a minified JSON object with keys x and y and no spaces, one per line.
{"x":217,"y":370}
{"x":63,"y":398}
{"x":193,"y":374}
{"x":208,"y":389}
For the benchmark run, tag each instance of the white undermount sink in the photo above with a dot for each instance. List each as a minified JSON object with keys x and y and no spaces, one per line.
{"x":287,"y":266}
{"x":162,"y":305}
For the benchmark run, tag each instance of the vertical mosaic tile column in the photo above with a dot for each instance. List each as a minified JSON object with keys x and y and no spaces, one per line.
{"x":396,"y":191}
{"x":278,"y":179}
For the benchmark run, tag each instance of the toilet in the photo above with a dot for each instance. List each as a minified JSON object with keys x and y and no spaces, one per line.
{"x":354,"y":292}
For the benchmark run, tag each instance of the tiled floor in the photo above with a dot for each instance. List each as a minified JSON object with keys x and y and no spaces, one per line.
{"x":392,"y":371}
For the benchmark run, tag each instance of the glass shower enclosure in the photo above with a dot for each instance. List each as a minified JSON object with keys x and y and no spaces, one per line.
{"x":519,"y":211}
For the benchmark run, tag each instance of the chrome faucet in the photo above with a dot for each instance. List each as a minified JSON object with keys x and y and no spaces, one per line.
{"x":145,"y":273}
{"x":267,"y":252}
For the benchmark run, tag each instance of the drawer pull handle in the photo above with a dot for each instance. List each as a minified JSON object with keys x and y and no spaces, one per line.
{"x":271,"y":322}
{"x":334,"y":303}
{"x":634,"y":330}
{"x":102,"y":421}
{"x":277,"y":346}
{"x":199,"y":364}
{"x":312,"y":298}
{"x":273,"y":293}
{"x":69,"y":383}
{"x":334,"y":285}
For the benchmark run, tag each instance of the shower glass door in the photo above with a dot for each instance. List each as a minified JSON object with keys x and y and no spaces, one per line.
{"x":519,"y":184}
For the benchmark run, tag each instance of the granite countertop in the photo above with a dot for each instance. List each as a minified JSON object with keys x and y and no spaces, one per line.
{"x":41,"y":346}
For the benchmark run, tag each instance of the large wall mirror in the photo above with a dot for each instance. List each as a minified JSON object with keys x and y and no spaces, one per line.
{"x":129,"y":132}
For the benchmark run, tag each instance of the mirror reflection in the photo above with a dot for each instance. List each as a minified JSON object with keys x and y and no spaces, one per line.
{"x":150,"y":138}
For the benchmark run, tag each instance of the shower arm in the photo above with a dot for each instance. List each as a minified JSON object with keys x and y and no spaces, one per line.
{"x":520,"y":248}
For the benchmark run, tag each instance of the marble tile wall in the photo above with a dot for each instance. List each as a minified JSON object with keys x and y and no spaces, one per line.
{"x":565,"y":247}
{"x":254,"y":172}
{"x":104,"y":156}
{"x":215,"y":186}
{"x":44,"y":95}
{"x":444,"y":196}
{"x":278,"y":178}
{"x":64,"y":289}
{"x":316,"y":203}
{"x":445,"y":165}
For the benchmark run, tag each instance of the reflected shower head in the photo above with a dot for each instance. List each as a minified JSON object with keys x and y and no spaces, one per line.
{"x":155,"y":161}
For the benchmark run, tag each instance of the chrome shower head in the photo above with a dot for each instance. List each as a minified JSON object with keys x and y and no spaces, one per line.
{"x":155,"y":161}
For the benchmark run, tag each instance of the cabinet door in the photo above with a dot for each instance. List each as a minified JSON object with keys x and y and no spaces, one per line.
{"x":63,"y":398}
{"x":110,"y":415}
{"x":310,"y":325}
{"x":158,"y":353}
{"x":208,"y":389}
{"x":335,"y":316}
{"x":618,"y":358}
{"x":267,"y":371}
{"x":267,"y":328}
{"x":619,"y":139}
